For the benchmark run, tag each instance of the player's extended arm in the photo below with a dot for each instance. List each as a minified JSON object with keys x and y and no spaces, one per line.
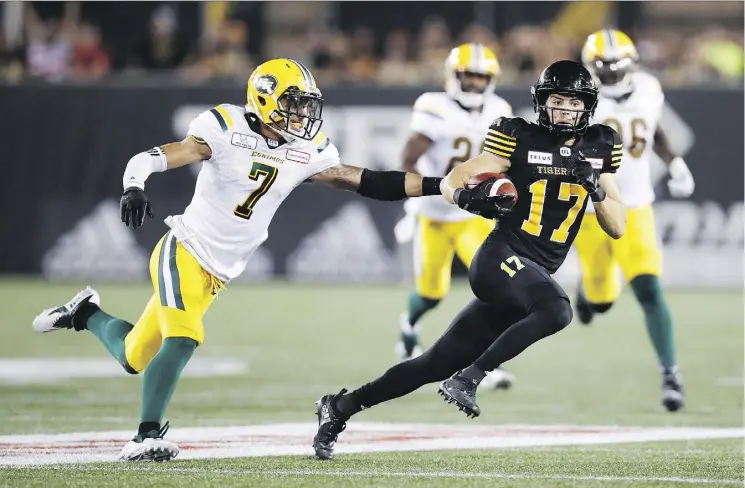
{"x":681,"y":184}
{"x":485,"y":162}
{"x":611,"y":211}
{"x":135,"y":204}
{"x":415,"y":147}
{"x":378,"y":185}
{"x":158,"y":159}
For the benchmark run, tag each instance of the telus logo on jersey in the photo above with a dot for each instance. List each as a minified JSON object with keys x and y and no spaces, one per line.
{"x":298,"y":156}
{"x":535,"y":157}
{"x":243,"y":140}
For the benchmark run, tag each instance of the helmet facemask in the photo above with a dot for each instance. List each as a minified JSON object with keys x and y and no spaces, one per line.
{"x":472,"y":93}
{"x":613,"y":76}
{"x":547,"y":115}
{"x":299,"y":114}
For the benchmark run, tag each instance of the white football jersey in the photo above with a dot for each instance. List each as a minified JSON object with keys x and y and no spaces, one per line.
{"x":457,"y":136}
{"x":635,"y":118}
{"x":240,"y":187}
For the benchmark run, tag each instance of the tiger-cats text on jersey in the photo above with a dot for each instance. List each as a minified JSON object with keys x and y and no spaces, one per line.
{"x":550,"y":206}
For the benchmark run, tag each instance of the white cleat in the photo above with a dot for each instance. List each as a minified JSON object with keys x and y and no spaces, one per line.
{"x":497,"y":379}
{"x":58,"y":318}
{"x":150,"y":446}
{"x":149,"y":449}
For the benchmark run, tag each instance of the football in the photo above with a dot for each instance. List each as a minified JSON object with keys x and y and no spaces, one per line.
{"x":503,"y":185}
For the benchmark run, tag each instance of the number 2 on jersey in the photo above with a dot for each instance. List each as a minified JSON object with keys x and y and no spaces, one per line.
{"x":269,"y":173}
{"x":466,"y":143}
{"x":566,"y":191}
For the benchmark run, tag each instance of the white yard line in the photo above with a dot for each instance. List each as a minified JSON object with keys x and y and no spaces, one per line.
{"x":295,"y":438}
{"x":403,"y":474}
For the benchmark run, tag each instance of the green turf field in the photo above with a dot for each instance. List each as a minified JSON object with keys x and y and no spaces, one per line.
{"x":299,"y":342}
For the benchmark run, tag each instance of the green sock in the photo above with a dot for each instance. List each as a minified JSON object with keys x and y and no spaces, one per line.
{"x":162,"y":375}
{"x":111,"y":331}
{"x":418,"y":306}
{"x":657,"y":317}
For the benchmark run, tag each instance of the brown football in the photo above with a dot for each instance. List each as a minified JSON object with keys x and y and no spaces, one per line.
{"x":503,"y":185}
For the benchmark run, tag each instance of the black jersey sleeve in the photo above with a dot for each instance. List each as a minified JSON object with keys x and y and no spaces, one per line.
{"x":613,"y":154}
{"x":502,"y":137}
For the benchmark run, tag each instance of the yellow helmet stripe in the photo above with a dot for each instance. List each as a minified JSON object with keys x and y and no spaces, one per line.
{"x":306,"y":74}
{"x":600,"y":44}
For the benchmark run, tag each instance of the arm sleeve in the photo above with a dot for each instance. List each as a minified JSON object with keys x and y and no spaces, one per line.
{"x":501,"y":138}
{"x":428,"y":118}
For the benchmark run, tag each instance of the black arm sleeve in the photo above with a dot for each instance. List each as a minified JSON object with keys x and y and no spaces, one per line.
{"x":391,"y":185}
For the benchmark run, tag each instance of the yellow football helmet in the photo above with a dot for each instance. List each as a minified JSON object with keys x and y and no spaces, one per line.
{"x":474,"y":59}
{"x":283,"y":94}
{"x":611,"y":56}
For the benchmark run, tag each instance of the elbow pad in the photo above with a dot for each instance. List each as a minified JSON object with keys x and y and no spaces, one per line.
{"x":142,"y":165}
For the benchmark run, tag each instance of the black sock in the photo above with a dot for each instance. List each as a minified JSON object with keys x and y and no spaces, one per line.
{"x":543,"y":322}
{"x":347,"y":405}
{"x":473,"y":372}
{"x":80,"y":319}
{"x":147,"y":427}
{"x":601,"y":307}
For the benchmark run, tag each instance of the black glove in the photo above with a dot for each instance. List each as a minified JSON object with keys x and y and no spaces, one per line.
{"x":134,"y":206}
{"x":586,"y":176}
{"x":478,"y":202}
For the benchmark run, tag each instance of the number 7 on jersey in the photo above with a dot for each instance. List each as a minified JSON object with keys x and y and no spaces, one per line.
{"x":269,"y":173}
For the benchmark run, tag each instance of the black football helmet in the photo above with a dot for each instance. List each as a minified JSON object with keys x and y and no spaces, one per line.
{"x":565,"y":78}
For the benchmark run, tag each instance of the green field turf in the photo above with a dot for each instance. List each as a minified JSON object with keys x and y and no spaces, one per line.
{"x":300,"y":342}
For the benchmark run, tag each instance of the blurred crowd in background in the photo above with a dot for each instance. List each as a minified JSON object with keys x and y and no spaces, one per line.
{"x":64,"y":41}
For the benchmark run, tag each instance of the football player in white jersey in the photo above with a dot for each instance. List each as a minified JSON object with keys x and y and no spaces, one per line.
{"x":447,"y":128}
{"x":254,"y":156}
{"x":631,"y":102}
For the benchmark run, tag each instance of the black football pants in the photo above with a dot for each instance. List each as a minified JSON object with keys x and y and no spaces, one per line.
{"x":511,"y":311}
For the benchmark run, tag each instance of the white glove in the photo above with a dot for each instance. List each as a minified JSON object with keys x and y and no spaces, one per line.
{"x":405,"y":228}
{"x":681,"y":182}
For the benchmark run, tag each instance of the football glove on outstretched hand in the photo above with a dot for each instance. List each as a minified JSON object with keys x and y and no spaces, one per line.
{"x":478,"y":202}
{"x":134,"y":206}
{"x":585,"y":175}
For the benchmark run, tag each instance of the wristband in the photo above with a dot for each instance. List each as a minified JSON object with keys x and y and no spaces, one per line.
{"x":431,"y":186}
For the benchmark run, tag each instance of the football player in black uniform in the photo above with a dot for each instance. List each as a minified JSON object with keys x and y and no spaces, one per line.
{"x":556,"y":166}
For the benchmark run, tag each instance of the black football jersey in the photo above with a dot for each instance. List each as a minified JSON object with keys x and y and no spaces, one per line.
{"x":550,"y":205}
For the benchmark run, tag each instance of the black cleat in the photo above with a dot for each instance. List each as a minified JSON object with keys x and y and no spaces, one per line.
{"x":585,"y":312}
{"x":331,"y":423}
{"x":462,"y":392}
{"x":672,"y":391}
